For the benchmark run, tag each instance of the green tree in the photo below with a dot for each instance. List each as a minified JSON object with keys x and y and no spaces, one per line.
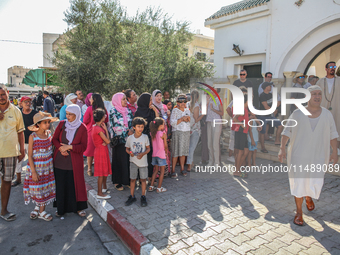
{"x":106,"y":51}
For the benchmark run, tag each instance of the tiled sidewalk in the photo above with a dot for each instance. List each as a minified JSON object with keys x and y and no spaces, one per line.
{"x":227,"y":215}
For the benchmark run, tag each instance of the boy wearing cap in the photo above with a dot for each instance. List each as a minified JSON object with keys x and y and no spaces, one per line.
{"x":27,"y":114}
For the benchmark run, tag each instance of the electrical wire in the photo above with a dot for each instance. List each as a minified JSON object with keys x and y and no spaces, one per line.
{"x":22,"y":42}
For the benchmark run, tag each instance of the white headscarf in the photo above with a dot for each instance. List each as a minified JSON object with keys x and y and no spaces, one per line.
{"x":158,"y":105}
{"x":71,"y":127}
{"x":69,"y":97}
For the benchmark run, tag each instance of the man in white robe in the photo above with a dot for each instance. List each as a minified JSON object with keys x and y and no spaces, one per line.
{"x":330,"y":85}
{"x":308,"y":151}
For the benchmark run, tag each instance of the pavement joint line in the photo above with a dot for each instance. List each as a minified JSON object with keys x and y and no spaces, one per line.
{"x":135,"y":241}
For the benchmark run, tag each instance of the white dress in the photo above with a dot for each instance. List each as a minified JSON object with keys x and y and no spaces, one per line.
{"x":308,"y":147}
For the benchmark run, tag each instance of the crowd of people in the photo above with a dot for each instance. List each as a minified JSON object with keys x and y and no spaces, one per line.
{"x":139,"y":139}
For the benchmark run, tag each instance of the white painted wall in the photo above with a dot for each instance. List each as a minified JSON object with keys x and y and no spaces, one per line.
{"x":280,"y":35}
{"x":48,"y":40}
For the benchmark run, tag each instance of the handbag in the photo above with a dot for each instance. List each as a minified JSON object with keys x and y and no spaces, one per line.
{"x":114,"y":141}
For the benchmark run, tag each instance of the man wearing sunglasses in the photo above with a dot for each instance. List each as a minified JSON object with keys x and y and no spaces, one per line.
{"x":330,"y":85}
{"x":243,"y":80}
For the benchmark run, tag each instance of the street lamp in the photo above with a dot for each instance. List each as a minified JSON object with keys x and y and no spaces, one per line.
{"x":237,"y":50}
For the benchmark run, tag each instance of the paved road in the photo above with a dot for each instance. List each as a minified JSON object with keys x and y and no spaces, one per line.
{"x":73,"y":235}
{"x":220,"y":214}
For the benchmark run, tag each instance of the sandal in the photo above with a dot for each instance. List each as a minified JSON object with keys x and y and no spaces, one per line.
{"x":184,"y":173}
{"x":9,"y":216}
{"x":34,"y":213}
{"x":152,"y":188}
{"x":310,"y":204}
{"x":161,"y":190}
{"x":89,"y":173}
{"x":15,"y":183}
{"x":56,"y":214}
{"x":298,"y":220}
{"x":119,"y":187}
{"x":45,"y":216}
{"x":106,"y":191}
{"x":82,"y":213}
{"x":173,"y":175}
{"x":264,"y":151}
{"x":242,"y":175}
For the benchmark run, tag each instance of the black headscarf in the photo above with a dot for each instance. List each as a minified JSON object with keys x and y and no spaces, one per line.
{"x":144,"y":111}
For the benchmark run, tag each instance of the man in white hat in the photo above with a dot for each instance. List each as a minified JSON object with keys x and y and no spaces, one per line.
{"x":330,"y":86}
{"x":310,"y":140}
{"x":298,"y":83}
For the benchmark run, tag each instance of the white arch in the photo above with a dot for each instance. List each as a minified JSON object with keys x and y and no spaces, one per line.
{"x":308,"y":44}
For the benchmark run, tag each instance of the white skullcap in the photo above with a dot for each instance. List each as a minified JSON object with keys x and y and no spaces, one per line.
{"x":313,"y":88}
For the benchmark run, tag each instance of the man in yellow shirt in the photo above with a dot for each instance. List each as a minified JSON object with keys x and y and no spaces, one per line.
{"x":11,"y":148}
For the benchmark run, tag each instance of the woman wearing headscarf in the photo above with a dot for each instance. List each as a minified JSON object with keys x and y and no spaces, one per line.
{"x":147,"y":110}
{"x":70,"y":140}
{"x":164,"y":112}
{"x":70,"y":99}
{"x":87,"y":104}
{"x":121,"y":127}
{"x":96,"y":102}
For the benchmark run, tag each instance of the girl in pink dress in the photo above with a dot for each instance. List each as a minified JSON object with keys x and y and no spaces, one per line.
{"x":102,"y":165}
{"x":96,"y":102}
{"x":160,"y":149}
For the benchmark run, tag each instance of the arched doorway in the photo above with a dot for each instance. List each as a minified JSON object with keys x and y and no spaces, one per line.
{"x":318,"y":38}
{"x":317,"y":65}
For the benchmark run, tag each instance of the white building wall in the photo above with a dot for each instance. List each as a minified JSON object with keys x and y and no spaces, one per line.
{"x":280,"y":35}
{"x":296,"y":31}
{"x":48,"y":40}
{"x":253,"y":43}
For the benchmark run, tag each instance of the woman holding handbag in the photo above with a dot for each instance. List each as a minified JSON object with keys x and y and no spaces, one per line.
{"x":121,"y":127}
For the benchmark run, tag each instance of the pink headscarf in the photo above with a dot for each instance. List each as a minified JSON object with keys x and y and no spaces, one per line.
{"x":87,"y":99}
{"x":117,"y":103}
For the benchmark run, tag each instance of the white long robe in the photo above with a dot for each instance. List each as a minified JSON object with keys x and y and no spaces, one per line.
{"x":335,"y":102}
{"x":308,"y":147}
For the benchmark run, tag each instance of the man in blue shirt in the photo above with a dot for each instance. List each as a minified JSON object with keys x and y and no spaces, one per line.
{"x":48,"y":103}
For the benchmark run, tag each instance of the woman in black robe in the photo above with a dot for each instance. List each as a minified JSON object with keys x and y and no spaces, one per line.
{"x":149,"y":112}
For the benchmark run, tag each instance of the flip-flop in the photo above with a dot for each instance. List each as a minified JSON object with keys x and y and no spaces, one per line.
{"x":104,"y":197}
{"x":264,"y":151}
{"x":9,"y":216}
{"x":184,"y":173}
{"x":15,"y":183}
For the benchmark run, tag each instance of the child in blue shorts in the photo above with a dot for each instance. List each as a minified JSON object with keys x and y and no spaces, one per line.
{"x":253,"y":138}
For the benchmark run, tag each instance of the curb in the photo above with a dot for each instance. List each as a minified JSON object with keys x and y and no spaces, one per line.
{"x":134,"y":240}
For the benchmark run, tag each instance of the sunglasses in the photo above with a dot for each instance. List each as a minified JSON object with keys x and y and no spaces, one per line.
{"x":301,"y":77}
{"x":181,"y":101}
{"x":241,"y":74}
{"x":332,"y":67}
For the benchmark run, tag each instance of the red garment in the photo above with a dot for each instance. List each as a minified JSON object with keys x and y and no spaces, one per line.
{"x":79,"y":146}
{"x":89,"y":122}
{"x":133,"y":108}
{"x":102,"y":165}
{"x":242,"y":118}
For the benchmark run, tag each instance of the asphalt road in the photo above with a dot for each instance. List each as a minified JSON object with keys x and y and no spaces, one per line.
{"x":72,"y":235}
